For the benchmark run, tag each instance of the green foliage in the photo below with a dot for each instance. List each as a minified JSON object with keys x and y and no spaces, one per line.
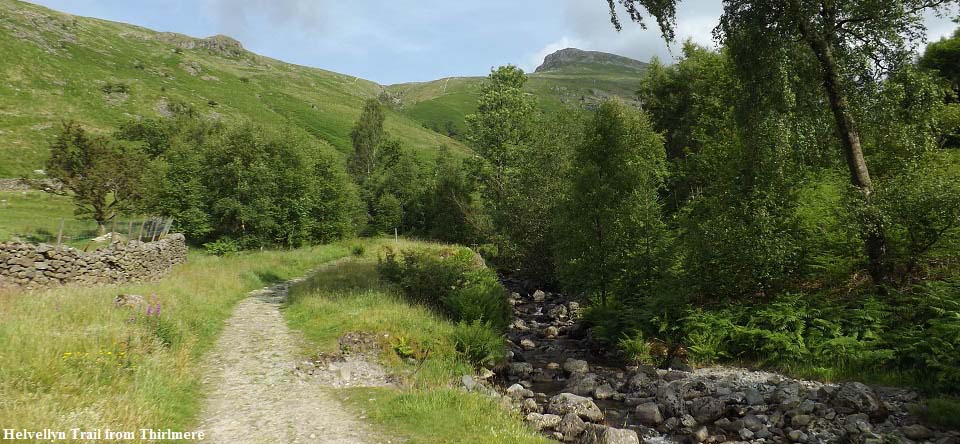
{"x":102,"y":174}
{"x":252,"y":185}
{"x":636,"y":349}
{"x":943,"y":412}
{"x":222,"y":247}
{"x":480,"y":344}
{"x":367,"y":135}
{"x":612,"y":218}
{"x":455,"y":282}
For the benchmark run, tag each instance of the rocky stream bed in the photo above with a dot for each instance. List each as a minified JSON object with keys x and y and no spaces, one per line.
{"x":570,"y":393}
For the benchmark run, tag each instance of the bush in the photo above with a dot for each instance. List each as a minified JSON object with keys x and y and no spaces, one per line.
{"x":358,"y":250}
{"x":454,"y":282}
{"x":636,"y":349}
{"x":222,"y":247}
{"x":480,"y":344}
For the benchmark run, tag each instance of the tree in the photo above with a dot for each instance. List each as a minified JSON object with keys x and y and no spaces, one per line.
{"x":852,"y":41}
{"x":612,"y":215}
{"x":943,"y":56}
{"x":501,"y":124}
{"x":102,"y":174}
{"x":367,"y":136}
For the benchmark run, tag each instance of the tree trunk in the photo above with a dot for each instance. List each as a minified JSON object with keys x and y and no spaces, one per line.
{"x":850,"y":142}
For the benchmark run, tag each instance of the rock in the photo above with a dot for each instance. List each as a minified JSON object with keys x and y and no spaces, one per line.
{"x":518,"y":392}
{"x":528,"y":344}
{"x":753,"y":396}
{"x":917,"y":432}
{"x":468,"y":383}
{"x":520,"y":370}
{"x":571,"y":427}
{"x":706,"y":409}
{"x":746,"y":434}
{"x":519,"y":325}
{"x":572,"y":366}
{"x":648,"y":414}
{"x":801,"y":420}
{"x":539,"y":296}
{"x":596,"y":434}
{"x":688,"y":421}
{"x":604,"y":391}
{"x":530,"y":405}
{"x":129,"y":301}
{"x":569,"y":403}
{"x":700,"y":434}
{"x":854,"y":397}
{"x":678,"y":364}
{"x":671,"y":403}
{"x":797,"y":436}
{"x":582,"y":384}
{"x":540,"y":422}
{"x":551,"y":332}
{"x":557,"y":312}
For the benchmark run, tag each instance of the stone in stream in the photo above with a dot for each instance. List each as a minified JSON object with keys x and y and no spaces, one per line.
{"x":582,"y":384}
{"x":706,"y":409}
{"x":598,"y":434}
{"x":551,"y":332}
{"x":917,"y":432}
{"x":539,"y":296}
{"x":530,"y":405}
{"x":571,"y":427}
{"x":649,"y":414}
{"x":528,"y":344}
{"x":518,"y":392}
{"x":572,"y":366}
{"x":670,"y":400}
{"x":520,"y":370}
{"x":604,"y":391}
{"x":557,"y":312}
{"x":569,"y":403}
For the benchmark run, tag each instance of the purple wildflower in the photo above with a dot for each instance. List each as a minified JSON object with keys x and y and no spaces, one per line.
{"x":149,"y":310}
{"x":156,"y":310}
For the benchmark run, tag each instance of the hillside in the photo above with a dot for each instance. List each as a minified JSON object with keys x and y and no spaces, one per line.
{"x":57,"y":66}
{"x":567,"y":77}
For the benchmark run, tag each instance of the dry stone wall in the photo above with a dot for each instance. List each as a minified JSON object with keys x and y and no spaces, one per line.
{"x":35,"y":266}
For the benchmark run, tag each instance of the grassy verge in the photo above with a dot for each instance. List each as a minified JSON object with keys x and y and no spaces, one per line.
{"x":349,"y":297}
{"x":29,"y":214}
{"x":71,"y":359}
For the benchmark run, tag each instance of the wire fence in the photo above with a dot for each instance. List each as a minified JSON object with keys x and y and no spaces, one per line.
{"x":80,"y":232}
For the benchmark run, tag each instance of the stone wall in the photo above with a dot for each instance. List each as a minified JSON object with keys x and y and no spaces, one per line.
{"x":34,"y":266}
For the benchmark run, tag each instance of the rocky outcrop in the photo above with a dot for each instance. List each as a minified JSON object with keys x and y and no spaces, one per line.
{"x":571,"y":56}
{"x":35,"y":266}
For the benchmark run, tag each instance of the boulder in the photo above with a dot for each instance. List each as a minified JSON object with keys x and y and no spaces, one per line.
{"x":540,"y":422}
{"x":582,"y":384}
{"x":706,"y":409}
{"x":854,"y":397}
{"x":572,"y":366}
{"x":520,"y":370}
{"x":648,"y":414}
{"x":604,"y":391}
{"x":528,"y":344}
{"x":539,"y":296}
{"x":597,"y":434}
{"x":565,"y":403}
{"x":670,"y":399}
{"x":917,"y":432}
{"x":571,"y":427}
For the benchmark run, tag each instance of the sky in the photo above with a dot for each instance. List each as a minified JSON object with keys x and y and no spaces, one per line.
{"x":415,"y":40}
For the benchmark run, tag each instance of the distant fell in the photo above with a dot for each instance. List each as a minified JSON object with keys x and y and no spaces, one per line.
{"x":576,"y":59}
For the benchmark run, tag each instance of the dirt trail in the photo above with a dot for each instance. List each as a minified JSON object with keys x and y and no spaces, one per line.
{"x":256,"y":393}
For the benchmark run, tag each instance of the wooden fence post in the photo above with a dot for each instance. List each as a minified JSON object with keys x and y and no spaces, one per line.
{"x":60,"y":233}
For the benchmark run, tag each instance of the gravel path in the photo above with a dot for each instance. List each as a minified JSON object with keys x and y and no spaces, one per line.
{"x":255,"y":393}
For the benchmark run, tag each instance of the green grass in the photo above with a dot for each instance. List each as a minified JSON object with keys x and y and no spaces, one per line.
{"x":71,"y":359}
{"x":435,"y":103}
{"x":33,"y":214}
{"x":943,"y":412}
{"x":349,"y":297}
{"x":56,"y":66}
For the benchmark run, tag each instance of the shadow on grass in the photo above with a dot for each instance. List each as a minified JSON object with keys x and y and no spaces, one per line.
{"x":342,"y":277}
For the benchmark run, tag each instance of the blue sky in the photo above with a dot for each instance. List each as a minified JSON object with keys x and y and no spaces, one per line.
{"x":411,"y":40}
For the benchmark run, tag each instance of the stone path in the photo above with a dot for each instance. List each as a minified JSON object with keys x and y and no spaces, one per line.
{"x":257,"y":394}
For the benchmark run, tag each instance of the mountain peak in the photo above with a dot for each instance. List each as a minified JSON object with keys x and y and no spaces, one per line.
{"x":571,"y":57}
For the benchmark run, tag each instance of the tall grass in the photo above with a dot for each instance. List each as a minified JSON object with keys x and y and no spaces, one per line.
{"x":71,"y":359}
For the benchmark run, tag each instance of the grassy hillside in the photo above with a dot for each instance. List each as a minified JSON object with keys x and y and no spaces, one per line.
{"x":442,"y":104}
{"x":57,"y":66}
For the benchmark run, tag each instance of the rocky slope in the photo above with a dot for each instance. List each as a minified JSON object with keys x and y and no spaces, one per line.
{"x":572,"y":58}
{"x":569,"y":393}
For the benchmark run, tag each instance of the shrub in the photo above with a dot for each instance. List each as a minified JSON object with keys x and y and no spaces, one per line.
{"x":222,"y":247}
{"x":358,"y":250}
{"x":454,"y":282}
{"x":480,"y":344}
{"x":636,"y":349}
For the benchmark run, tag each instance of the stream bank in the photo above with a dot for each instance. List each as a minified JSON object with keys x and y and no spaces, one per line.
{"x":567,"y":390}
